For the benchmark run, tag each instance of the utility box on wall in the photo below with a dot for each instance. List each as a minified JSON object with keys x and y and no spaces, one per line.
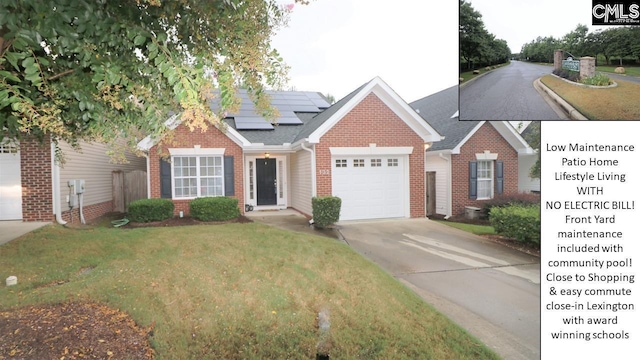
{"x":77,"y":186}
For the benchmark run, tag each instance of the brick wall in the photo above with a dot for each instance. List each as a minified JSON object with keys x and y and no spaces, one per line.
{"x":372,"y":122}
{"x":184,"y":138}
{"x":90,"y":212}
{"x":35,"y":169}
{"x":486,"y":138}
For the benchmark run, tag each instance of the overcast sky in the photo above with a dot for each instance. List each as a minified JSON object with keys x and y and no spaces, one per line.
{"x":521,"y":21}
{"x":334,"y":46}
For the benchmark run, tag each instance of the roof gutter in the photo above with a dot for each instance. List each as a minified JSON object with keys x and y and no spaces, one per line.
{"x":312,"y":151}
{"x":55,"y":186}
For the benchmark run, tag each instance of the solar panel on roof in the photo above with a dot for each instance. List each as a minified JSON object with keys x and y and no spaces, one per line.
{"x":252,"y":123}
{"x":320,"y":103}
{"x":307,"y":108}
{"x":289,"y":121}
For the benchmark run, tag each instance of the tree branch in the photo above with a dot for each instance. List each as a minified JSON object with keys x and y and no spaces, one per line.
{"x":70,"y":71}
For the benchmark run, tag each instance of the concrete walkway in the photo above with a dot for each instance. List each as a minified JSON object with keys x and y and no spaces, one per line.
{"x":289,"y":219}
{"x":10,"y":230}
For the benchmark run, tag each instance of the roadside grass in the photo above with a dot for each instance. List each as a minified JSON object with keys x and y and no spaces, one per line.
{"x":629,"y":70}
{"x":472,"y":228}
{"x":619,"y":103}
{"x":233,"y":291}
{"x":468,"y":75}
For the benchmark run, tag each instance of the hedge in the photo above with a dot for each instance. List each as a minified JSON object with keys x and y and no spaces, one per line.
{"x":146,"y":210}
{"x":326,"y":210}
{"x":214,"y":208}
{"x":517,"y":221}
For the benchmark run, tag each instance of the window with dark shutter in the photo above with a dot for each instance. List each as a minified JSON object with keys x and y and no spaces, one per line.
{"x":229,"y":184}
{"x":165,"y":179}
{"x":499,"y":177}
{"x":473,"y":180}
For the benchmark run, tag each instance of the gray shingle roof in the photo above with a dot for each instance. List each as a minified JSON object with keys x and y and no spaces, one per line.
{"x":436,"y":110}
{"x":321,"y":118}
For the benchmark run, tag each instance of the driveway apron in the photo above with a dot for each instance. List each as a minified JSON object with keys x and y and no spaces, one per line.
{"x":490,"y":290}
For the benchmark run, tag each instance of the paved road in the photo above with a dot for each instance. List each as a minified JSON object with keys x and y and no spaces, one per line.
{"x":490,"y":290}
{"x":506,"y":94}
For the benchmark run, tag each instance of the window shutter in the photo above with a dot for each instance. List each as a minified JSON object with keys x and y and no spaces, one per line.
{"x":473,"y":180}
{"x":165,"y":179}
{"x":499,"y":177}
{"x":229,"y":183}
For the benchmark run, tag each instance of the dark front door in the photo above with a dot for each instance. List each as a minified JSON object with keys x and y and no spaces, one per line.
{"x":266,"y":181}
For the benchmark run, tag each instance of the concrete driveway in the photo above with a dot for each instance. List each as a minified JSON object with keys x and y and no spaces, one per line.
{"x":488,"y":289}
{"x":10,"y":230}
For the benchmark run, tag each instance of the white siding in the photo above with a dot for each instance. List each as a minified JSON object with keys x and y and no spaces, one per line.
{"x":526,"y":183}
{"x":92,"y":164}
{"x":433,"y":162}
{"x":301,"y":181}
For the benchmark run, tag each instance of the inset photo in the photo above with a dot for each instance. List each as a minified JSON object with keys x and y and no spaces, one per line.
{"x":549,"y":60}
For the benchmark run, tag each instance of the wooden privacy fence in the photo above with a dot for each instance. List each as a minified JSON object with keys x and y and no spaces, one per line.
{"x":128,"y":187}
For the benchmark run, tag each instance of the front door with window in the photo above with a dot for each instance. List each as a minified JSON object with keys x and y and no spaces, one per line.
{"x":266,"y":185}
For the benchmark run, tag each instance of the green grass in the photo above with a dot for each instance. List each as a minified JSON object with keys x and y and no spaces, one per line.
{"x":619,"y":103}
{"x":629,"y":70}
{"x":468,"y":75}
{"x":474,"y":229}
{"x":233,"y":291}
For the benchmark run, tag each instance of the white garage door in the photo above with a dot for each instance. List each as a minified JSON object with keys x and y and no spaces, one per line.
{"x":10,"y":184}
{"x":371,"y":187}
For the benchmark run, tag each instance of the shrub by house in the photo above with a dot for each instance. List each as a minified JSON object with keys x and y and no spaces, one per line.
{"x":146,"y":210}
{"x":214,"y":208}
{"x":326,"y":210}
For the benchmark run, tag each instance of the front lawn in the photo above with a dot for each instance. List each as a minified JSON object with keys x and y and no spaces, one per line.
{"x":233,"y":291}
{"x":618,"y":103}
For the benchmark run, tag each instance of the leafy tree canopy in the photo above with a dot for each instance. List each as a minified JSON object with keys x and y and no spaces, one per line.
{"x":101,"y":69}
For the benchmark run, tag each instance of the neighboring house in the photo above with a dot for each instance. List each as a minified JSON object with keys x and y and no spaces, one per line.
{"x":368,"y":149}
{"x":526,"y":161}
{"x":33,"y":186}
{"x":476,"y":160}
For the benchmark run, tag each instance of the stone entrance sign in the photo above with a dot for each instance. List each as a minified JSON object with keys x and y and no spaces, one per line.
{"x":586,"y":65}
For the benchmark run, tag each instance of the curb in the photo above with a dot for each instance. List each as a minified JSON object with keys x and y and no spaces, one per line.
{"x":565,"y":106}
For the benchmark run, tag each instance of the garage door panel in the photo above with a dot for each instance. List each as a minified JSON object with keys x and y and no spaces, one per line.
{"x":373,"y":191}
{"x":10,"y":183}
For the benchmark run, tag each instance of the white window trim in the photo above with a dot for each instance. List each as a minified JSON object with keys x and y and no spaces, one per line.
{"x":196,"y":150}
{"x":197,"y":156}
{"x":486,"y":155}
{"x":490,"y":179}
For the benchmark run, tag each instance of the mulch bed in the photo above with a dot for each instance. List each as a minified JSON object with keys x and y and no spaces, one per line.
{"x":72,"y":331}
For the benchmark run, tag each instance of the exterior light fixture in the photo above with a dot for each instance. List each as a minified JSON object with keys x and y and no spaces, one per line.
{"x":427,"y":146}
{"x":266,"y":155}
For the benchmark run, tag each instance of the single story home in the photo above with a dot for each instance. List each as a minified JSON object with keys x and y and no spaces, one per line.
{"x":34,"y":185}
{"x":368,"y":149}
{"x":476,"y":161}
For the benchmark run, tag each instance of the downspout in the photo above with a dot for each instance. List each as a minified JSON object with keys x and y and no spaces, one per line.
{"x":449,"y":200}
{"x":146,"y":156}
{"x":312,"y":151}
{"x":55,"y":186}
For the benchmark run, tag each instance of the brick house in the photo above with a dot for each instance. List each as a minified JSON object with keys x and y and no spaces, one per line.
{"x":368,"y":149}
{"x":33,"y":185}
{"x":476,"y":160}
